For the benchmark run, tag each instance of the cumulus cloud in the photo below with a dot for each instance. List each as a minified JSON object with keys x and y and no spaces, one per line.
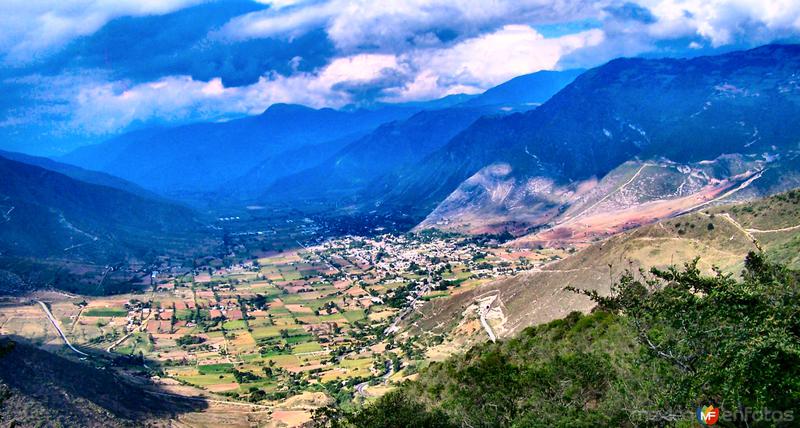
{"x":35,"y":28}
{"x":397,"y":25}
{"x":401,"y":25}
{"x":467,"y":67}
{"x":357,"y":51}
{"x":722,"y":22}
{"x":106,"y":107}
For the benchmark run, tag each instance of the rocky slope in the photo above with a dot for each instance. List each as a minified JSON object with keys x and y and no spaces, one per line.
{"x":526,"y":170}
{"x":719,"y":236}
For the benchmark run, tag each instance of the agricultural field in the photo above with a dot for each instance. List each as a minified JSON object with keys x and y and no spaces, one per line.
{"x":274,"y":326}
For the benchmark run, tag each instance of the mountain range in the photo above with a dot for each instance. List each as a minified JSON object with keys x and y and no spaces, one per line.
{"x":526,"y":170}
{"x":49,"y":219}
{"x":552,"y":157}
{"x":242,"y":158}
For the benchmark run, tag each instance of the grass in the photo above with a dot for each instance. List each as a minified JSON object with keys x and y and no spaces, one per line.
{"x":215,"y":368}
{"x":234,"y":325}
{"x":353,"y":316}
{"x":209,"y":379}
{"x":299,"y":338}
{"x":105,"y":312}
{"x":306,"y":347}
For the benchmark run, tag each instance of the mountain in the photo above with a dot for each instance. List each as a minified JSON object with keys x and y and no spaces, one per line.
{"x":533,"y":165}
{"x":245,"y":158}
{"x":201,"y":157}
{"x":526,"y":91}
{"x":643,"y":344}
{"x":253,"y":183}
{"x":53,"y":219}
{"x":400,"y":145}
{"x":80,"y":174}
{"x":719,"y":236}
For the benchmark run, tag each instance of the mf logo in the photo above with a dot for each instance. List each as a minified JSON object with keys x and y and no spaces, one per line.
{"x":707,"y":415}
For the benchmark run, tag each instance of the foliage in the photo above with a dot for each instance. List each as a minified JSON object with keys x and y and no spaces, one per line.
{"x":188,"y":339}
{"x":661,"y":344}
{"x":736,"y":343}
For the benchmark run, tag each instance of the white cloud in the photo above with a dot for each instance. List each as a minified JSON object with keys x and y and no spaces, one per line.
{"x":482,"y":62}
{"x":34,"y":28}
{"x":107,"y":107}
{"x":407,"y":49}
{"x":356,"y":24}
{"x":723,"y":22}
{"x":467,"y":67}
{"x":400,"y":25}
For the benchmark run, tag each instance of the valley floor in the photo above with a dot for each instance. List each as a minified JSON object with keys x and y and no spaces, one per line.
{"x":268,"y":339}
{"x":265,"y":337}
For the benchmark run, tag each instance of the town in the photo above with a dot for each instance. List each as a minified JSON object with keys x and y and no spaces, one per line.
{"x":325,"y":319}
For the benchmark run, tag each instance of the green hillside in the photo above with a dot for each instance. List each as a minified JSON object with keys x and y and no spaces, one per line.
{"x":719,"y":236}
{"x":658,"y":347}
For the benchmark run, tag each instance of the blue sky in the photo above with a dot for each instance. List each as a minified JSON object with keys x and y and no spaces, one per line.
{"x":79,"y":71}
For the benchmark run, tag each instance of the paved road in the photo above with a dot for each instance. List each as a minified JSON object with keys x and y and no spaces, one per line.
{"x":482,"y":310}
{"x":55,"y":324}
{"x":389,"y":371}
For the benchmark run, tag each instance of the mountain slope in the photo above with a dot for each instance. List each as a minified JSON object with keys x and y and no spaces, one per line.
{"x":201,"y":157}
{"x":526,"y":91}
{"x":685,"y":111}
{"x":39,"y":388}
{"x":47,"y":215}
{"x":394,"y":145}
{"x":80,"y":174}
{"x":719,"y":236}
{"x":400,"y":145}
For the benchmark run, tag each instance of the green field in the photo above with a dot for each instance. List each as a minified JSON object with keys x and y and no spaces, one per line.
{"x":215,"y":368}
{"x":105,"y":312}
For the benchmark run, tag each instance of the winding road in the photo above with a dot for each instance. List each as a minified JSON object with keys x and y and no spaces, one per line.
{"x":482,"y":310}
{"x":783,"y":229}
{"x":361,"y":386}
{"x":55,"y":324}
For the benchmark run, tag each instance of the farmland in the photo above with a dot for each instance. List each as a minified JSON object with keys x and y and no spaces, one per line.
{"x":326,"y":319}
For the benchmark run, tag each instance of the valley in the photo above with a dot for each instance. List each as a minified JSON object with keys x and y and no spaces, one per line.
{"x":534,"y":251}
{"x":310,"y":325}
{"x":346,"y":320}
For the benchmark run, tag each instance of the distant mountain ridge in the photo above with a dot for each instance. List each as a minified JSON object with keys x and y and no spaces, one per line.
{"x":85,"y":175}
{"x":400,"y":145}
{"x":200,"y":157}
{"x":527,"y":91}
{"x":48,"y":217}
{"x":686,"y":111}
{"x":242,"y":158}
{"x":393,"y":145}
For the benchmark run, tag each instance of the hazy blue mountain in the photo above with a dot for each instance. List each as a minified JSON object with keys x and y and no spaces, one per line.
{"x":686,"y":110}
{"x":201,"y":157}
{"x":527,"y":91}
{"x":78,"y":173}
{"x":400,"y":145}
{"x":45,"y":214}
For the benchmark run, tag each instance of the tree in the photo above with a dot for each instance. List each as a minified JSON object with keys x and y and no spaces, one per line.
{"x":393,"y":410}
{"x":662,"y":343}
{"x":732,"y":342}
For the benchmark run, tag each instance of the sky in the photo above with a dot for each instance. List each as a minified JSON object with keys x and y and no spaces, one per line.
{"x":76,"y":72}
